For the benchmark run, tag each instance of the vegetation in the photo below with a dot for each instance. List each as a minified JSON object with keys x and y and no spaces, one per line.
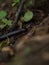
{"x":33,"y":17}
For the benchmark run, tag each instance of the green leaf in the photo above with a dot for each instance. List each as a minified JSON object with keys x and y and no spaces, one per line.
{"x":30,"y":3}
{"x":2,"y":26}
{"x":7,"y":22}
{"x":1,"y":46}
{"x":3,"y":14}
{"x":28,"y":16}
{"x":15,"y":2}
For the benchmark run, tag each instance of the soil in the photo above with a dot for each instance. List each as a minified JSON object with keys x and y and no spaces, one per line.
{"x":38,"y":26}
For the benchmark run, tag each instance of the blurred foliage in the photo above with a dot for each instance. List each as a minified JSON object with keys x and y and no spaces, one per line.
{"x":15,"y":2}
{"x":26,"y":51}
{"x":4,"y":43}
{"x":3,"y":20}
{"x":28,"y":16}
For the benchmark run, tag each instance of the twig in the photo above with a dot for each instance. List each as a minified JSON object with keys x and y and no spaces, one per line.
{"x":18,"y":14}
{"x":45,"y":20}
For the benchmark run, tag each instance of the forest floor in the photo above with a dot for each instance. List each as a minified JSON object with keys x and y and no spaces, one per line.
{"x":29,"y":49}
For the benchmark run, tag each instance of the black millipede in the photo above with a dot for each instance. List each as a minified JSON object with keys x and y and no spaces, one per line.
{"x":3,"y":37}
